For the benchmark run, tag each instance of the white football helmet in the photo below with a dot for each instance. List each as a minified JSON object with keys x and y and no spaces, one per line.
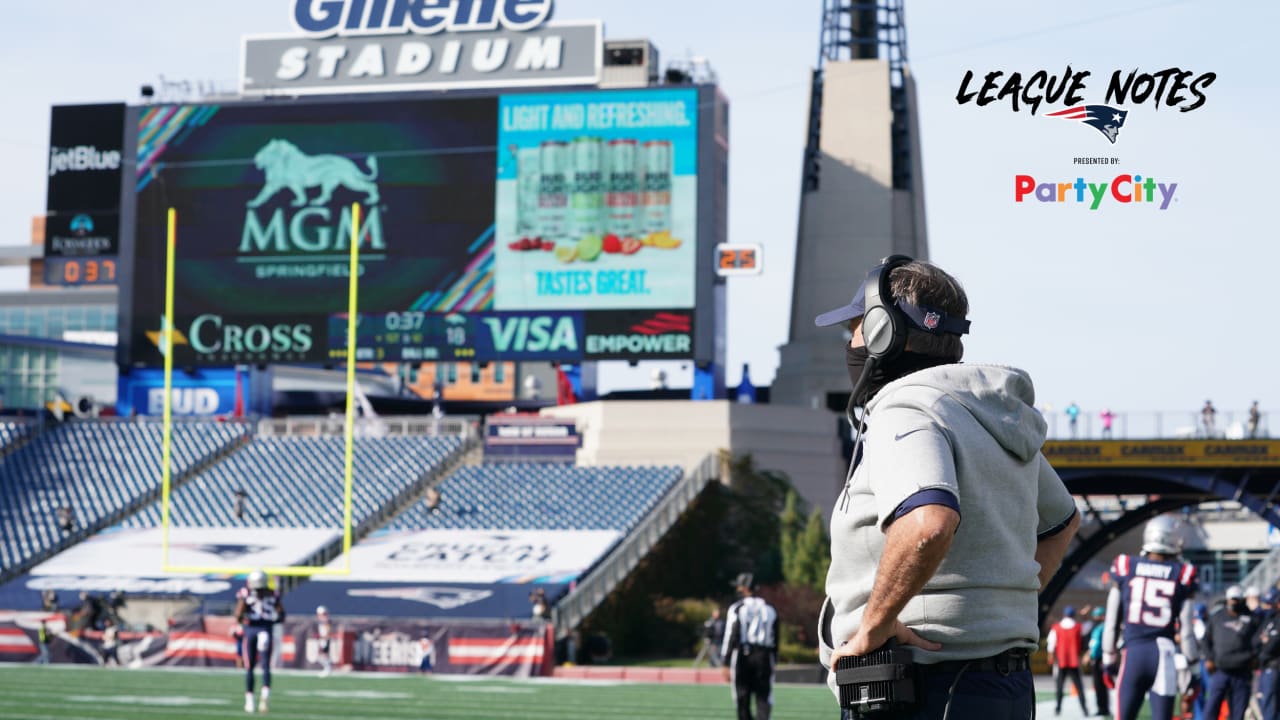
{"x":1162,"y":535}
{"x":258,"y":580}
{"x":322,"y":610}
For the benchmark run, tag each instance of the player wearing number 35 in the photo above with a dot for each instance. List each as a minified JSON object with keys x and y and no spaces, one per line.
{"x":1147,"y":603}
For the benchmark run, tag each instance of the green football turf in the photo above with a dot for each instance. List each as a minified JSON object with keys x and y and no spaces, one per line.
{"x":56,"y":692}
{"x":90,"y":693}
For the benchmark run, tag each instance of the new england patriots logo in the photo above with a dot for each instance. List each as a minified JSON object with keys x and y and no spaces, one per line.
{"x":224,"y":551}
{"x":1106,"y":119}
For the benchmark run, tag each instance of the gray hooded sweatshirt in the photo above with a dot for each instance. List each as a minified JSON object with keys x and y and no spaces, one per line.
{"x":971,"y":431}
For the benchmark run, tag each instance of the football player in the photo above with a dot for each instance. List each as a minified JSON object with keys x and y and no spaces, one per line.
{"x":1147,"y":603}
{"x":324,"y":631}
{"x":258,"y":609}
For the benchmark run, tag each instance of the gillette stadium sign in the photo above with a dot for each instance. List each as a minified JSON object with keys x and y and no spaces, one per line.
{"x":392,"y":45}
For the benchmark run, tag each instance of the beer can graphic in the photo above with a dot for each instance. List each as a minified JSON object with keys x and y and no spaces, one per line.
{"x":622,"y":188}
{"x":553,"y":190}
{"x":586,"y":191}
{"x":657,"y":186}
{"x":528,"y":183}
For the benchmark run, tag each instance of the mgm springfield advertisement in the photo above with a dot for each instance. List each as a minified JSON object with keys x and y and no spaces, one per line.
{"x":556,"y":226}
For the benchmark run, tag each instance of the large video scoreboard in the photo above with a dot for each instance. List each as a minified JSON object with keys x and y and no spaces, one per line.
{"x":525,"y":226}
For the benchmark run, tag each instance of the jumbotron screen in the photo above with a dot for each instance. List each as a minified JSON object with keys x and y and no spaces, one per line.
{"x":501,"y":227}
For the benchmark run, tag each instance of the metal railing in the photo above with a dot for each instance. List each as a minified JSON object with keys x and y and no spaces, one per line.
{"x":596,"y":586}
{"x":317,"y":425}
{"x":1266,"y":573}
{"x":1154,"y":425}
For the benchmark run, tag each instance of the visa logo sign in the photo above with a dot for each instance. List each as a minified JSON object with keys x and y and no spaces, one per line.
{"x":532,"y":334}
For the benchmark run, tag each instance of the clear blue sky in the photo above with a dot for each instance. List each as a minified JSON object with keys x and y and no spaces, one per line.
{"x":1127,"y":307}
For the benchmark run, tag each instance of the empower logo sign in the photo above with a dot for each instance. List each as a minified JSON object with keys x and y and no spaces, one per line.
{"x":643,"y":335}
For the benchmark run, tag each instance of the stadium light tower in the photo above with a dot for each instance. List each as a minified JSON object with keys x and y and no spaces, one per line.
{"x":861,"y":196}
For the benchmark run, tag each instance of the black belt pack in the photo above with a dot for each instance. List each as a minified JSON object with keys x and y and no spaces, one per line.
{"x":883,"y":680}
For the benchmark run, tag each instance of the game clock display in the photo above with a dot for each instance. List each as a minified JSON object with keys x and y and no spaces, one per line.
{"x":80,"y":271}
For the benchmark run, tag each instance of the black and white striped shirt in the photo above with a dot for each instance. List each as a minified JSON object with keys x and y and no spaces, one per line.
{"x":751,"y":621}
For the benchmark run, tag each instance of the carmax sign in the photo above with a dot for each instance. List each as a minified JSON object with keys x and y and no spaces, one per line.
{"x":388,"y":45}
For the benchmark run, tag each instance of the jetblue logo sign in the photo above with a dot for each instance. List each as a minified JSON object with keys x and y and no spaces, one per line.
{"x":389,"y":45}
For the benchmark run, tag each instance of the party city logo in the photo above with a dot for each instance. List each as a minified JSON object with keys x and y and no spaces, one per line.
{"x":1125,"y":189}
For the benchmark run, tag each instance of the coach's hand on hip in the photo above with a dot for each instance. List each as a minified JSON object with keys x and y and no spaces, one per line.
{"x":867,"y":639}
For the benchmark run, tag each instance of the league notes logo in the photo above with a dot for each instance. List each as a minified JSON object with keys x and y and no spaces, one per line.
{"x":1167,"y":88}
{"x":1103,"y":118}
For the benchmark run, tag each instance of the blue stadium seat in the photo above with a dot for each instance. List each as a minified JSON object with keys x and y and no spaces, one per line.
{"x":95,"y":467}
{"x":297,"y":482}
{"x":543,"y":497}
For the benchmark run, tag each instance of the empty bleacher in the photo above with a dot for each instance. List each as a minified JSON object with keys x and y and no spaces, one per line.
{"x":298,"y":482}
{"x":11,"y":432}
{"x":97,"y":469}
{"x":543,"y":497}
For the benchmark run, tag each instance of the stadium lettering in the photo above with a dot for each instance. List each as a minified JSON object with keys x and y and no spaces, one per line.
{"x":1236,"y":450}
{"x":455,"y":553}
{"x":1153,"y":450}
{"x":638,"y":344}
{"x":82,"y":157}
{"x":363,"y":17}
{"x":1076,"y":450}
{"x":186,"y":401}
{"x":256,"y":339}
{"x":541,"y":333}
{"x":310,"y":229}
{"x":414,"y":58}
{"x":134,"y":585}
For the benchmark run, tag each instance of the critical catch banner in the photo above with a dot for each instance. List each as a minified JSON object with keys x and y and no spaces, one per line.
{"x":596,"y":200}
{"x":476,"y":556}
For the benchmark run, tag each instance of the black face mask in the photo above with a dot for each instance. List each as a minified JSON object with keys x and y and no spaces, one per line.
{"x":883,"y":373}
{"x":1239,"y":607}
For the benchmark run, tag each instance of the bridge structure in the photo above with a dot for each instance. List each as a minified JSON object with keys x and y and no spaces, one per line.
{"x":1121,"y":484}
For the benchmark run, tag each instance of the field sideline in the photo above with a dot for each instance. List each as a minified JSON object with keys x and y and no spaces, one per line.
{"x":65,"y":692}
{"x":93,"y":693}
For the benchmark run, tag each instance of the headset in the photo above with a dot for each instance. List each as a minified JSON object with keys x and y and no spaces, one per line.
{"x":884,"y":326}
{"x":886,"y":322}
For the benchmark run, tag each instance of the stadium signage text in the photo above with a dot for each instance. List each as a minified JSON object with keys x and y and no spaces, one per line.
{"x":211,"y":334}
{"x":664,"y":333}
{"x":1164,"y":453}
{"x":133,"y":585}
{"x":539,"y":333}
{"x":370,"y":45}
{"x":82,"y":157}
{"x":323,"y":18}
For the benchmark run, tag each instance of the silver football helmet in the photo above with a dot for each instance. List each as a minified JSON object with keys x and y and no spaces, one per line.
{"x":258,"y":580}
{"x":1162,"y":535}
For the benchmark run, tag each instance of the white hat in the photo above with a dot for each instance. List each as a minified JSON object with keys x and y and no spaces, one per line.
{"x":1235,"y":592}
{"x":1252,"y":591}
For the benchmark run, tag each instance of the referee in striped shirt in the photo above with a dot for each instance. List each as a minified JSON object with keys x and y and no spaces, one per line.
{"x":751,"y":648}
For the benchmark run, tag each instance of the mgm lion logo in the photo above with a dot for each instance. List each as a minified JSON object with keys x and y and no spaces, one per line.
{"x":288,"y":167}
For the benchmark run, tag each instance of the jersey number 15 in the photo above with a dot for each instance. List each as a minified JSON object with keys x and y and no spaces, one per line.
{"x":1151,"y":601}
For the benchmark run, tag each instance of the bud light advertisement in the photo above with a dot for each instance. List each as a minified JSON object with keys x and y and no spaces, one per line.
{"x":596,"y":200}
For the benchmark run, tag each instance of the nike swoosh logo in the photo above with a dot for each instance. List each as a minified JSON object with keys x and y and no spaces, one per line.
{"x":899,"y":436}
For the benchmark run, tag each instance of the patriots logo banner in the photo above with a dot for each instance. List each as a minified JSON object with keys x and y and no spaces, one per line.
{"x":1103,"y":118}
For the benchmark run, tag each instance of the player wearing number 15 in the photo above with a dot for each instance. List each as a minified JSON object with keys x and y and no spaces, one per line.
{"x":1147,"y":601}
